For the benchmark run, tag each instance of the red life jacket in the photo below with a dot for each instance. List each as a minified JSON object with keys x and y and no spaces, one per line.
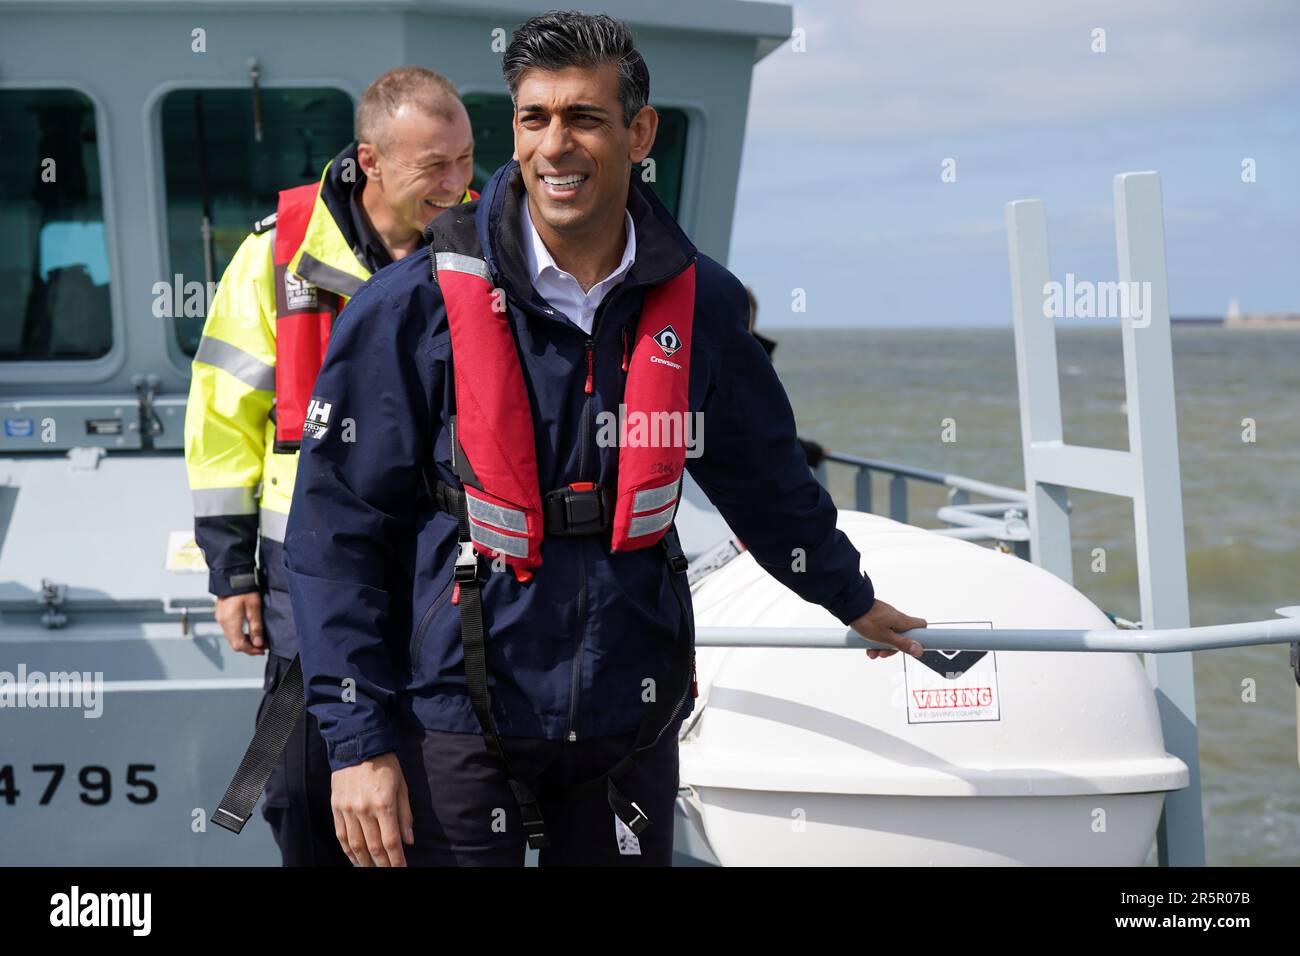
{"x":495,"y":431}
{"x":305,"y":314}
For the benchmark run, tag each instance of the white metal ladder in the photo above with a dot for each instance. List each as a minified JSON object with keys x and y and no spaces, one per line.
{"x":1148,"y":472}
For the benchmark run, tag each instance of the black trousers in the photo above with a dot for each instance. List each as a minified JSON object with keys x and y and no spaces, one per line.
{"x":297,"y":804}
{"x":465,"y":814}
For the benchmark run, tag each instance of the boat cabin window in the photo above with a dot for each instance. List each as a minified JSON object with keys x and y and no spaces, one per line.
{"x":54,"y":258}
{"x":494,"y":144}
{"x":220,"y":177}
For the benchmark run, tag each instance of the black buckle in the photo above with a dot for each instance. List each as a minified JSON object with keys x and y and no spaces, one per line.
{"x":571,"y":512}
{"x":535,"y":831}
{"x":466,"y":563}
{"x":446,"y":497}
{"x":638,"y":822}
{"x":677,"y":560}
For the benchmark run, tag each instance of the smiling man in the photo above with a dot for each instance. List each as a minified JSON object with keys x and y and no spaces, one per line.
{"x":415,"y":149}
{"x":263,"y":342}
{"x":497,"y":637}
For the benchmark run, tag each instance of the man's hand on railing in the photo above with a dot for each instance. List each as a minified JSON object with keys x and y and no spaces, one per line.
{"x":882,"y":624}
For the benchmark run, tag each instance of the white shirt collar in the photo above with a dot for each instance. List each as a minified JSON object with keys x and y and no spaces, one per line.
{"x":540,"y":259}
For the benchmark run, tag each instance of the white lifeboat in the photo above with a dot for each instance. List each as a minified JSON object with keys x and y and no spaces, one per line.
{"x":825,"y":757}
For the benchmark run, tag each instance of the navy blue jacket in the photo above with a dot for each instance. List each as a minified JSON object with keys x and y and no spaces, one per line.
{"x":369,"y":557}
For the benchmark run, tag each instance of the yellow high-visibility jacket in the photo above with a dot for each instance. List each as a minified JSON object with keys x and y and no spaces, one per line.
{"x":239,"y":483}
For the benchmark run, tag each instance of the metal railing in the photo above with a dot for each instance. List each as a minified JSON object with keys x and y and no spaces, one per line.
{"x":1004,"y":519}
{"x":1282,"y":630}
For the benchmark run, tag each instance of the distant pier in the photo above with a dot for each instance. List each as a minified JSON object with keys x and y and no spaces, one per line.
{"x":1239,"y":320}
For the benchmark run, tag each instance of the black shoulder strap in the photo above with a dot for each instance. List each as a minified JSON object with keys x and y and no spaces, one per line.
{"x":473,"y":633}
{"x":264,"y":225}
{"x":263,"y":752}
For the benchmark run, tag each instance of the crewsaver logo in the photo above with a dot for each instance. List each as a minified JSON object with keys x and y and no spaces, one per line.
{"x":667,"y":339}
{"x":318,"y":418}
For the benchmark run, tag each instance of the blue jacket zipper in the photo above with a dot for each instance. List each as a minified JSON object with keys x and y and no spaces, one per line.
{"x":575,"y":682}
{"x":589,"y":388}
{"x":428,"y":615}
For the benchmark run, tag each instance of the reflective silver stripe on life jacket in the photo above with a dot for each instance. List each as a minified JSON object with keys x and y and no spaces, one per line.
{"x":507,"y":544}
{"x":485,"y":511}
{"x":652,"y":498}
{"x":457,"y":262}
{"x":645,"y":524}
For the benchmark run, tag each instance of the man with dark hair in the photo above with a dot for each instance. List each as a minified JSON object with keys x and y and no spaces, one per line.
{"x":497,"y":636}
{"x":262,"y":345}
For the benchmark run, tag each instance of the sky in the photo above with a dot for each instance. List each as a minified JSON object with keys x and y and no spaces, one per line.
{"x":841,"y":194}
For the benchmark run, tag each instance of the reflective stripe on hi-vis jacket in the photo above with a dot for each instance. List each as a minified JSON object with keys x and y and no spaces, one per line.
{"x":496,"y":458}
